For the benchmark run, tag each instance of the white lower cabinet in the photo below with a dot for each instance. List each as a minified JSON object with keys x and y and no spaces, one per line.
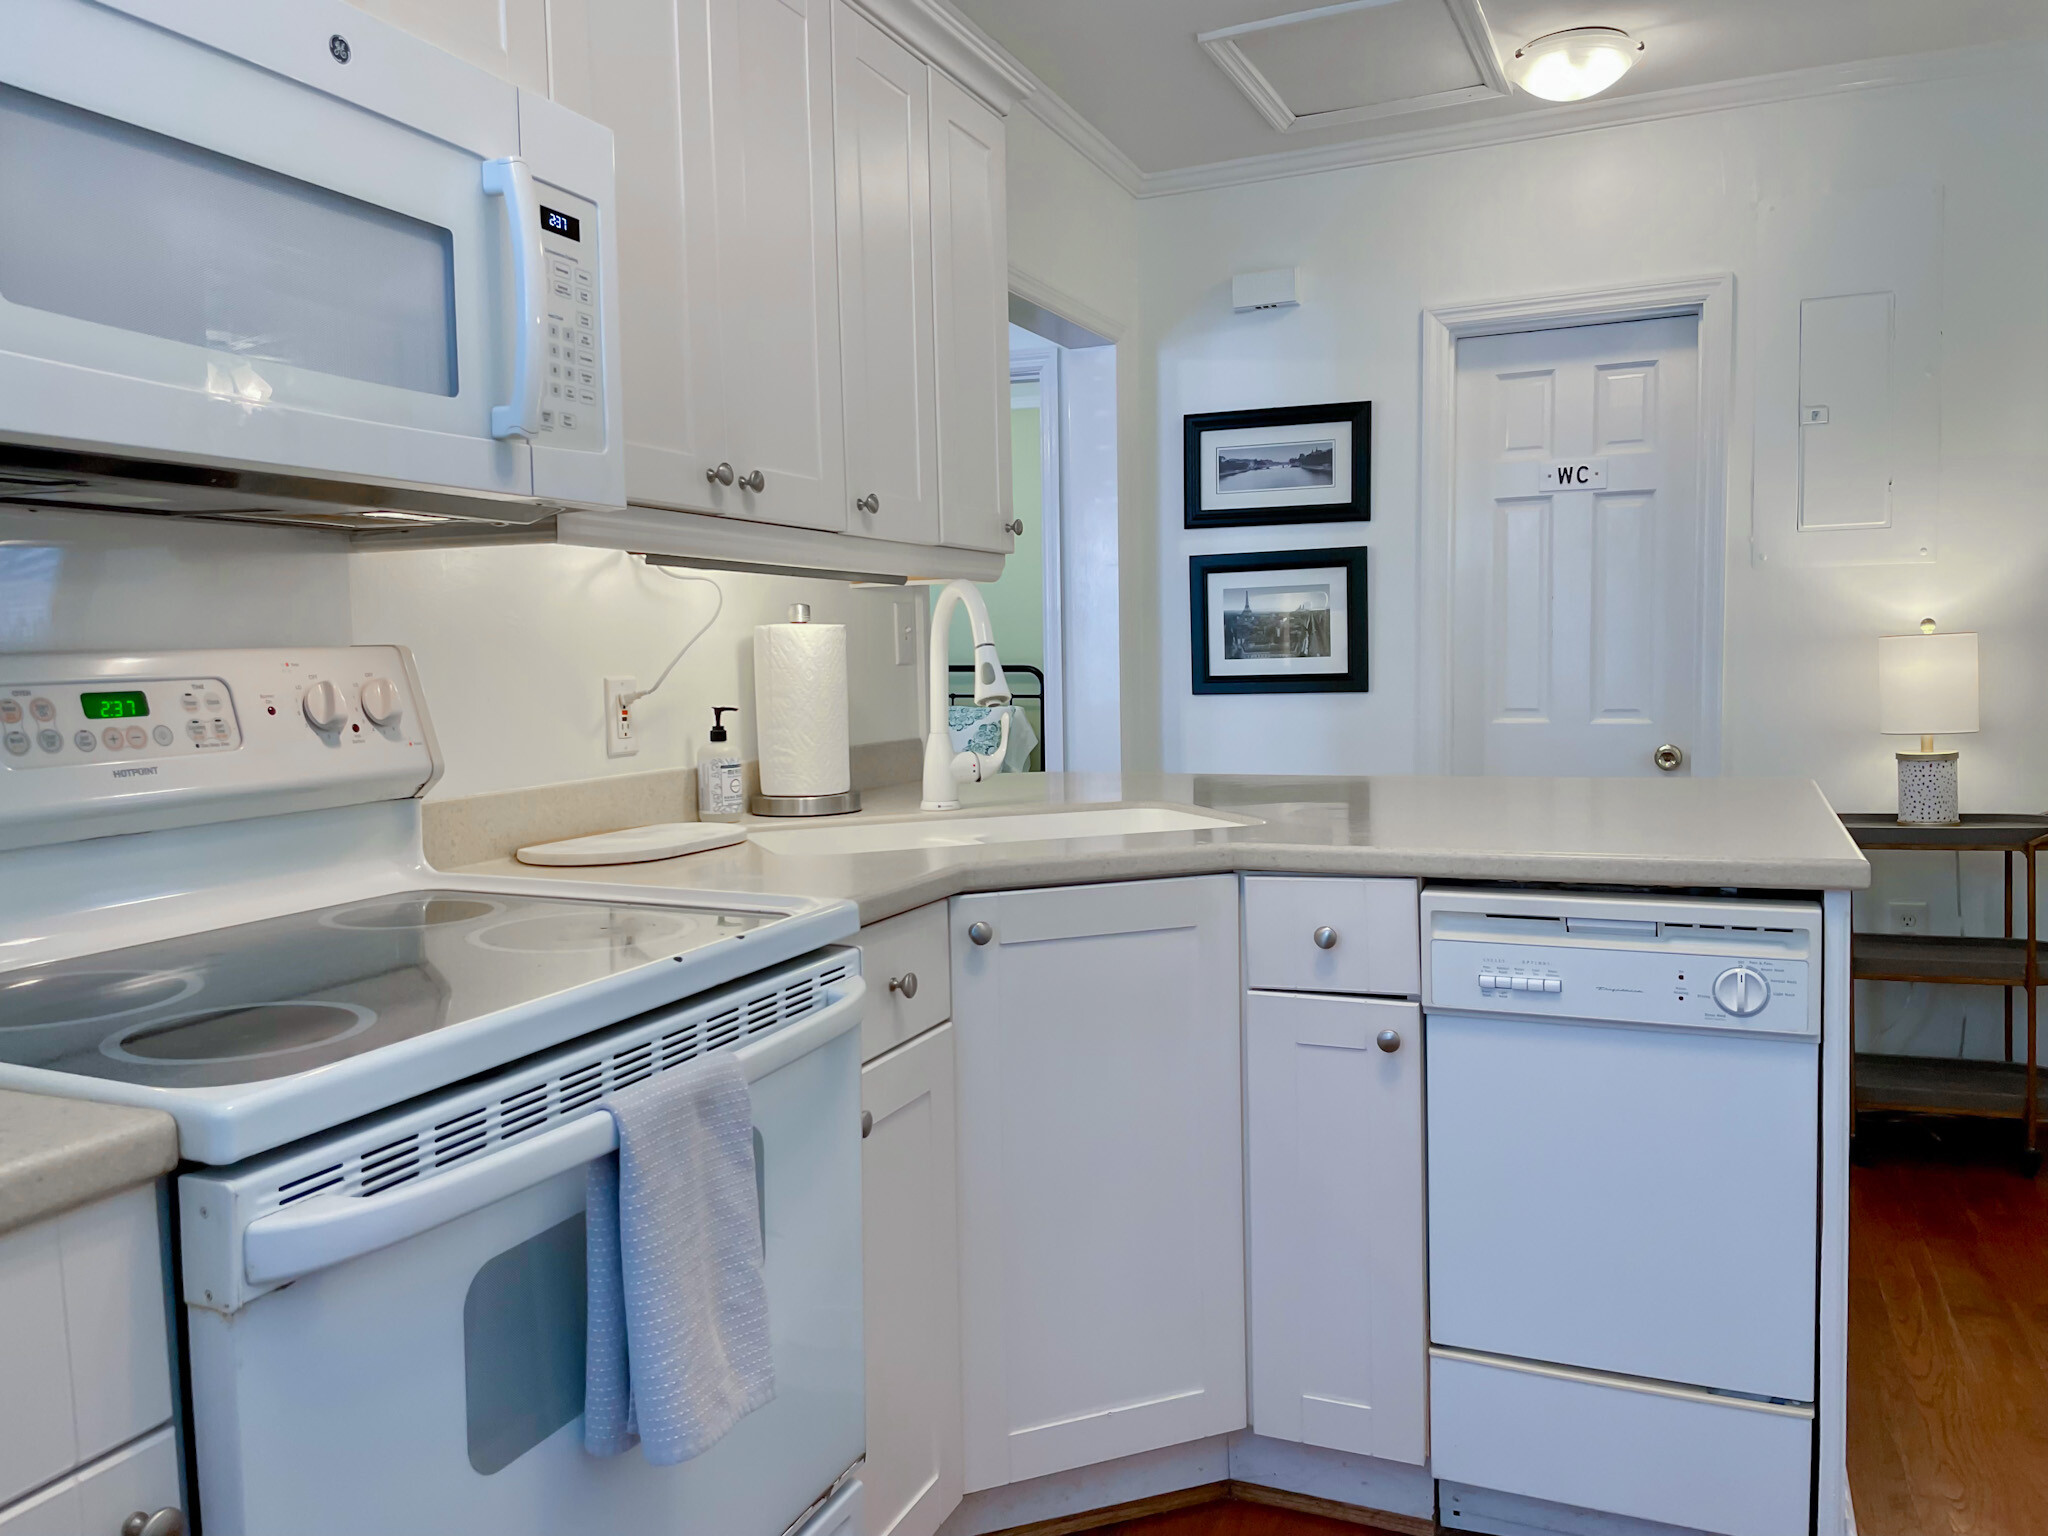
{"x":1339,"y":1335}
{"x":910,"y":1256}
{"x":1101,"y":1172}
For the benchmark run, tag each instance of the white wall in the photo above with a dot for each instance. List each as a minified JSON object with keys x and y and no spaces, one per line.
{"x":1757,"y":192}
{"x":513,"y":644}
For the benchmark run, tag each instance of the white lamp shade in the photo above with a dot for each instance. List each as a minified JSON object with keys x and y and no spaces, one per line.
{"x":1927,"y":685}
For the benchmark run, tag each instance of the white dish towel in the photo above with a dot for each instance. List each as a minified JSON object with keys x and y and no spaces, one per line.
{"x":678,"y":1348}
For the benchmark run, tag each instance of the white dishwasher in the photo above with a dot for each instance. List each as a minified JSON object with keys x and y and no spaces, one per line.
{"x":1623,"y":1137}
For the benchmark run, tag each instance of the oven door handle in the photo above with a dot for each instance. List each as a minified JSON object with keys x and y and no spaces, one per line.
{"x":331,"y":1229}
{"x":512,"y":180}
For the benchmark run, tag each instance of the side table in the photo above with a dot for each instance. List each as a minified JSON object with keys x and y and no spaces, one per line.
{"x":1946,"y":1085}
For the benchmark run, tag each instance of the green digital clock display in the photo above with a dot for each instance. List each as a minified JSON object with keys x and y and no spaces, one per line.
{"x":114,"y":706}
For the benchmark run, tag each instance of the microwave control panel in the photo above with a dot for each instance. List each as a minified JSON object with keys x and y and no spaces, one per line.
{"x":572,"y":395}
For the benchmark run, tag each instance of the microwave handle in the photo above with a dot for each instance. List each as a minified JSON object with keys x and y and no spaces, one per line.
{"x":331,"y":1229}
{"x":512,"y":180}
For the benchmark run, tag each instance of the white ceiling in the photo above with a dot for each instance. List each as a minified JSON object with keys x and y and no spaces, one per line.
{"x":1134,"y":70}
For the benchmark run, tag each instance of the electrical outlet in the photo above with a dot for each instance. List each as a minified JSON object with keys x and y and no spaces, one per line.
{"x":1905,"y":916}
{"x":905,"y":613}
{"x":619,"y":738}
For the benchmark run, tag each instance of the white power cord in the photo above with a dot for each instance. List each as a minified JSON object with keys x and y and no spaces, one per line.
{"x":703,"y":629}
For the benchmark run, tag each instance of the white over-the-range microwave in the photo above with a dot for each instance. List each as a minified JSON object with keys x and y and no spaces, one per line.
{"x":284,"y":261}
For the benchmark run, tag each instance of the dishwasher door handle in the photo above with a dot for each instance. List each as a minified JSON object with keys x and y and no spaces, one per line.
{"x":332,"y":1229}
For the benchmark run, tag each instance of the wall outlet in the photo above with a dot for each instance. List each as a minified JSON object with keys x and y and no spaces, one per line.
{"x":904,"y":611}
{"x":1905,"y":917}
{"x":619,"y":737}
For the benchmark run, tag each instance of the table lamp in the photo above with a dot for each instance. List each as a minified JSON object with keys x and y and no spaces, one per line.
{"x":1927,"y":687}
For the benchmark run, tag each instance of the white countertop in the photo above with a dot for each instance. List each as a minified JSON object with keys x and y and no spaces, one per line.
{"x":1768,"y":834}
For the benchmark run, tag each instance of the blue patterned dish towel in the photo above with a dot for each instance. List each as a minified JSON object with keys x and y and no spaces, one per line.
{"x":979,"y":728}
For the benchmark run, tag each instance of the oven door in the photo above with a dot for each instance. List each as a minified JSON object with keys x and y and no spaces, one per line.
{"x":436,"y":1384}
{"x":253,"y":235}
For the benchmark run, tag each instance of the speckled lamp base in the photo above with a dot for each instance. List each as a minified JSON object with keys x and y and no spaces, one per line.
{"x":1927,"y":789}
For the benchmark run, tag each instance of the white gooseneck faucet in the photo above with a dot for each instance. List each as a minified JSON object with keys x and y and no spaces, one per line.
{"x":943,"y":767}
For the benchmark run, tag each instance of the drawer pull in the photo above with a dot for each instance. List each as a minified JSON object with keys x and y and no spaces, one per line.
{"x":165,"y":1522}
{"x":906,"y":984}
{"x":1326,"y":938}
{"x":981,"y":933}
{"x":867,"y":1123}
{"x":1390,"y":1040}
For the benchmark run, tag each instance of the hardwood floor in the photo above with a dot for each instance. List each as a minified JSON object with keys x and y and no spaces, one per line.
{"x":1948,"y":1336}
{"x":1234,"y":1518}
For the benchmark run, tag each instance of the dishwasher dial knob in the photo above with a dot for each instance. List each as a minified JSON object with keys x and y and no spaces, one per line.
{"x":1742,"y":991}
{"x":326,"y":709}
{"x":380,"y":701}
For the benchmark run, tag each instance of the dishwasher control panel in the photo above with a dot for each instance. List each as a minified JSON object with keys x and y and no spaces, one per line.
{"x":1747,"y":966}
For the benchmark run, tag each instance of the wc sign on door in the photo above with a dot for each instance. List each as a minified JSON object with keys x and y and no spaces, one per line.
{"x":1574,"y":475}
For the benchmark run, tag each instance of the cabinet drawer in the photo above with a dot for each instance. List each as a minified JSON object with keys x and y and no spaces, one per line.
{"x":1371,"y":935}
{"x":1612,"y":1444}
{"x":98,"y":1497}
{"x":911,"y":952}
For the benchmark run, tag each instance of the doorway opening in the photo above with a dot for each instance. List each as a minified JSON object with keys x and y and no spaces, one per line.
{"x":1054,"y":609}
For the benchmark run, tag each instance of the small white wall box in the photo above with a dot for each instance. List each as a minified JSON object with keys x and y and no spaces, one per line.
{"x":1263,"y":290}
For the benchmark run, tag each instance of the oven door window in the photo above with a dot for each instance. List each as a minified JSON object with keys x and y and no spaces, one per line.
{"x":523,"y":1335}
{"x":110,"y":223}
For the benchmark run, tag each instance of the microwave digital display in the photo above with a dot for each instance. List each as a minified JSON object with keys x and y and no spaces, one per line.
{"x":567,"y":225}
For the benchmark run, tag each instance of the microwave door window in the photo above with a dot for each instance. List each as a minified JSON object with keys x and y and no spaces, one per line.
{"x":113,"y":224}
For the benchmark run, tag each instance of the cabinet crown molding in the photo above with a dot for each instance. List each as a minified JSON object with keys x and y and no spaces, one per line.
{"x":946,"y":39}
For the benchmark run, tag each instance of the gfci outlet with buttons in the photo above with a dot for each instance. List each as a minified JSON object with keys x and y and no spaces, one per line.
{"x":619,"y":739}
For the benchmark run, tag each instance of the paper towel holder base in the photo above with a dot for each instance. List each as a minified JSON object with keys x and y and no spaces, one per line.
{"x":805,"y":805}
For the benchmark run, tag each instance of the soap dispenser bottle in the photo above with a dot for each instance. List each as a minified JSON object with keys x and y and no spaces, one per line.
{"x":721,"y":787}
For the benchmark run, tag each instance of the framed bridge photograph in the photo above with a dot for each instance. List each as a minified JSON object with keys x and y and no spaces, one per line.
{"x":1288,"y":464}
{"x":1291,"y":622}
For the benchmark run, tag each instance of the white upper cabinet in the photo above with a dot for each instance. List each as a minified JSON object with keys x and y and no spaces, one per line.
{"x":971,"y":279}
{"x":507,"y":37}
{"x":722,"y":112}
{"x":882,"y":101}
{"x":1101,"y":1172}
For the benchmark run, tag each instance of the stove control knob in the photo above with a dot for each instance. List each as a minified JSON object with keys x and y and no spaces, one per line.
{"x":1742,"y":991}
{"x":326,"y":708}
{"x":380,"y":702}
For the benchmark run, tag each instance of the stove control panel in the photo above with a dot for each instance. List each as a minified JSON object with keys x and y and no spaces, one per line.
{"x":96,"y":744}
{"x":1747,"y":966}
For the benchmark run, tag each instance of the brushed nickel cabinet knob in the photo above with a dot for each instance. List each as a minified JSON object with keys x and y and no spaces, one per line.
{"x":1326,"y":938}
{"x":753,"y":481}
{"x":906,"y":984}
{"x":1389,"y":1040}
{"x":870,"y":504}
{"x":719,"y":475}
{"x":981,"y":933}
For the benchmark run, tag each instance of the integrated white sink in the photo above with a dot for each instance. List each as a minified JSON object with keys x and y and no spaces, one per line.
{"x":954,"y":831}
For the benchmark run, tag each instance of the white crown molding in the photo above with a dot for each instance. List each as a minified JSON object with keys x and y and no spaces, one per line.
{"x":949,"y":40}
{"x":1586,"y":117}
{"x":1084,"y":137}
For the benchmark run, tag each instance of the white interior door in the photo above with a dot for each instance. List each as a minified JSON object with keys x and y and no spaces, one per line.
{"x":1578,"y":570}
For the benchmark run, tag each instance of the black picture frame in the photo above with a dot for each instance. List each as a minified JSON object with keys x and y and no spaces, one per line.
{"x":1241,"y":678}
{"x":1352,"y":417}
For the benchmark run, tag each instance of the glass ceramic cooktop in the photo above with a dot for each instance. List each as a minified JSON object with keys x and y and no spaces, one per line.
{"x":289,"y":994}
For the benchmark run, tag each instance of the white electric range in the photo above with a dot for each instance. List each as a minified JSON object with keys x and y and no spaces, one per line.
{"x":214,"y":901}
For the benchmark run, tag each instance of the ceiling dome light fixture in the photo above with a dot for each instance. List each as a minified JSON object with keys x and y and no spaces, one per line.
{"x":1574,"y":64}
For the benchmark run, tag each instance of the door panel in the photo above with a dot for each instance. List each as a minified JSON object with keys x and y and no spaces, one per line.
{"x":778,"y":319}
{"x":1101,"y":1183}
{"x":1334,"y":1151}
{"x":882,"y":97}
{"x":1577,"y":604}
{"x":910,"y":1276}
{"x":971,"y":278}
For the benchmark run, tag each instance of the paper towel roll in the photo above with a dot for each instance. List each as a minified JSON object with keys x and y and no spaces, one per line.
{"x":800,"y":708}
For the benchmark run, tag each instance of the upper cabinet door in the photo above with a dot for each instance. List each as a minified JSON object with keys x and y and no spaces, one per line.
{"x":643,"y":69}
{"x":882,"y":100}
{"x":971,"y":280}
{"x":507,"y":37}
{"x":778,"y":281}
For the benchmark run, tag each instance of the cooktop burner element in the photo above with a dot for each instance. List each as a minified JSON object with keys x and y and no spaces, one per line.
{"x":289,"y":994}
